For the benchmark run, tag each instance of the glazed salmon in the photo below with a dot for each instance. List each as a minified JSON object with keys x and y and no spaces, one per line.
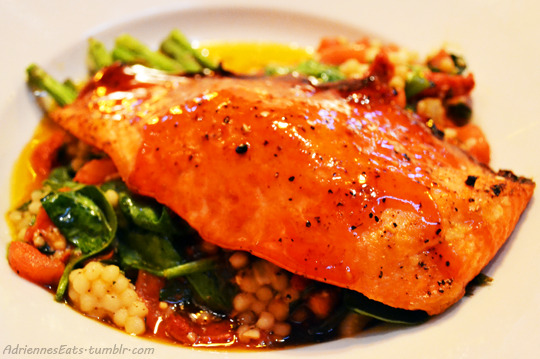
{"x":336,"y":183}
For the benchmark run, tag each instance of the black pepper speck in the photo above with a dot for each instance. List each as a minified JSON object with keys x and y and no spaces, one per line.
{"x":241,"y":149}
{"x":497,"y":189}
{"x":471,"y":180}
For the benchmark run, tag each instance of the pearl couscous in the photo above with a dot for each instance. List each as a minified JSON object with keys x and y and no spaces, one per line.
{"x":103,"y":292}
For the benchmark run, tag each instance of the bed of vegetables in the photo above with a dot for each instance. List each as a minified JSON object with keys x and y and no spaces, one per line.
{"x":78,"y":211}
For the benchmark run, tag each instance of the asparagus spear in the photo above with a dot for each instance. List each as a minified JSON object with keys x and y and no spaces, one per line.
{"x":178,"y":40}
{"x":70,"y":84}
{"x":132,"y":49}
{"x":98,"y":56}
{"x":325,"y":73}
{"x":180,"y":54}
{"x":125,"y":56}
{"x":41,"y":80}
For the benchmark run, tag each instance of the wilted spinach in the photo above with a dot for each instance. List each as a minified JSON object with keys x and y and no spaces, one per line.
{"x":79,"y":217}
{"x":147,"y":213}
{"x":62,"y":177}
{"x":86,"y":219}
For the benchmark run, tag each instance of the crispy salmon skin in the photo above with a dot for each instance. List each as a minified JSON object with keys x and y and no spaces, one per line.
{"x":338,"y":184}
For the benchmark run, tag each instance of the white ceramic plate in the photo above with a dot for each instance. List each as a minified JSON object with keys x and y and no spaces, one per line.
{"x":500,"y":42}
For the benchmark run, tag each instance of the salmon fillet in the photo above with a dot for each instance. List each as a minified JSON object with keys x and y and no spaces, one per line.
{"x":335,"y":183}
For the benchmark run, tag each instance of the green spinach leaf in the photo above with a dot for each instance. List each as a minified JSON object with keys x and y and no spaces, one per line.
{"x":156,"y":254}
{"x":79,"y":218}
{"x":61,"y":177}
{"x":146,"y":213}
{"x":94,"y":199}
{"x":212,"y":291}
{"x":148,"y":251}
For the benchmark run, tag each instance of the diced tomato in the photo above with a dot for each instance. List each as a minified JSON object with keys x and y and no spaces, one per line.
{"x":447,"y":85}
{"x":96,"y":171}
{"x":382,"y":67}
{"x":339,"y":54}
{"x":42,"y":223}
{"x":28,"y":262}
{"x":178,"y":328}
{"x":329,"y":42}
{"x":148,"y":287}
{"x":165,"y":323}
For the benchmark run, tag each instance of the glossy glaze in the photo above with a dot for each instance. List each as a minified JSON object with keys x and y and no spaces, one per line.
{"x":338,"y":184}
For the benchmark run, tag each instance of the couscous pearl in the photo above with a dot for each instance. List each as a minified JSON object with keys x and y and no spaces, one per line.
{"x":402,"y":71}
{"x":34,"y":207}
{"x":99,"y":288}
{"x":110,"y":274}
{"x":281,"y":329}
{"x":97,"y":313}
{"x":266,"y":321}
{"x":73,"y":295}
{"x":239,"y":260}
{"x":135,"y":325}
{"x":121,"y":284}
{"x":280,"y":281}
{"x":242,"y":329}
{"x":261,"y":272}
{"x":128,"y":297}
{"x":39,"y":241}
{"x":111,"y":302}
{"x":264,"y":294}
{"x":87,"y":302}
{"x":120,"y":316}
{"x":397,"y":82}
{"x":243,"y":301}
{"x":371,"y":53}
{"x":81,"y":284}
{"x":93,"y":270}
{"x":258,"y":307}
{"x":59,"y":245}
{"x":138,"y":309}
{"x":246,"y":282}
{"x":250,"y":334}
{"x":36,"y":195}
{"x":108,"y":295}
{"x":279,"y":309}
